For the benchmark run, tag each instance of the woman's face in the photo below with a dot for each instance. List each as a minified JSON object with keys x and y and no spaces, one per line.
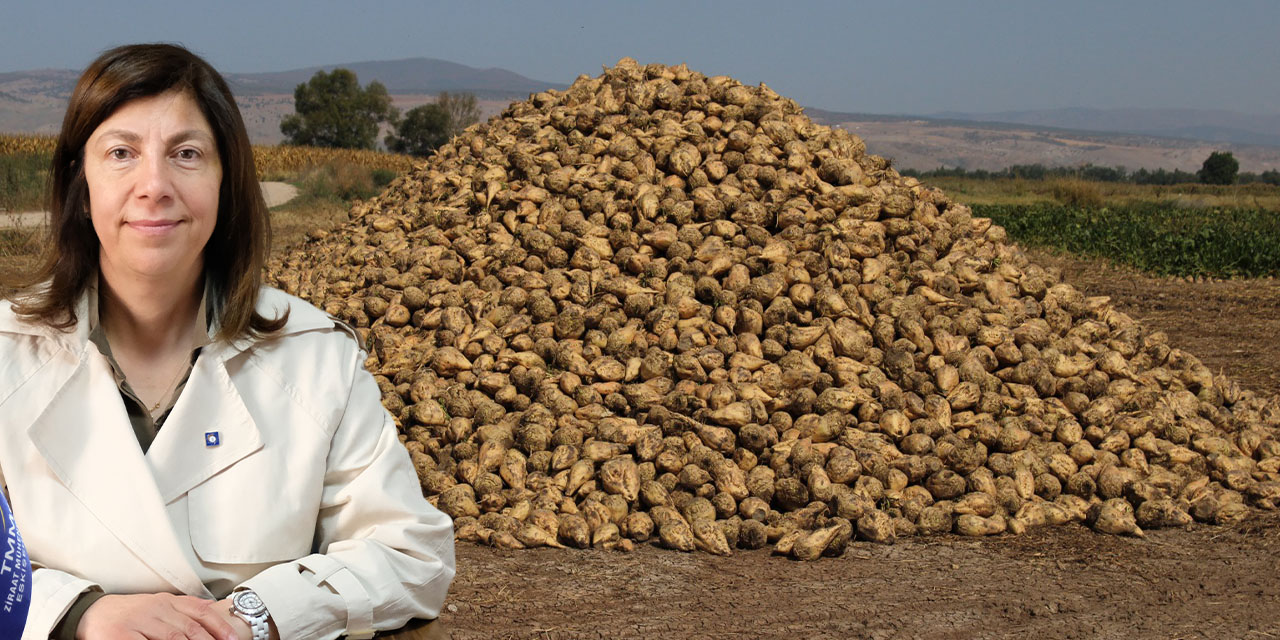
{"x":153,"y":174}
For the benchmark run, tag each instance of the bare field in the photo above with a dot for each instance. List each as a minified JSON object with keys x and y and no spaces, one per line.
{"x":923,"y":145}
{"x":1056,"y":582}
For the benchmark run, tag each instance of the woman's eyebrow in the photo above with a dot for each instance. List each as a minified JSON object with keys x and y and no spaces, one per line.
{"x":181,"y":136}
{"x":123,"y":134}
{"x":190,"y":134}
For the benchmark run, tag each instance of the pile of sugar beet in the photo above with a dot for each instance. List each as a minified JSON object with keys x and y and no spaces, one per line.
{"x":665,"y":307}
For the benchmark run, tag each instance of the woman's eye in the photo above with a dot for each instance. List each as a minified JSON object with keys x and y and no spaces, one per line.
{"x":188,"y":154}
{"x":119,"y":154}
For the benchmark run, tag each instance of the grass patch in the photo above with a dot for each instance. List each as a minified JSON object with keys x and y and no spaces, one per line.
{"x":1218,"y":242}
{"x":19,"y":249}
{"x":290,"y":222}
{"x":1076,"y":193}
{"x":22,"y":181}
{"x":342,"y":181}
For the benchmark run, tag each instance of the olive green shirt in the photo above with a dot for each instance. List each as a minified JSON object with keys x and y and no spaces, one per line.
{"x":145,"y":423}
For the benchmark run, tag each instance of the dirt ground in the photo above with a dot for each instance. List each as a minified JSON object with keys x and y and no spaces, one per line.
{"x":1058,"y":582}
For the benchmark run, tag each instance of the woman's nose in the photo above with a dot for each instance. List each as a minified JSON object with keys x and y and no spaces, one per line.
{"x":155,"y":180}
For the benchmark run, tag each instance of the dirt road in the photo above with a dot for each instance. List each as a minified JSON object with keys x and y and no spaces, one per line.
{"x":21,"y":220}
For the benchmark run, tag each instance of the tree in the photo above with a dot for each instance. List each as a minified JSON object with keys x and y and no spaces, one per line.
{"x":1219,"y":168}
{"x":422,"y":130}
{"x":426,"y":127}
{"x":333,"y":111}
{"x":462,"y":110}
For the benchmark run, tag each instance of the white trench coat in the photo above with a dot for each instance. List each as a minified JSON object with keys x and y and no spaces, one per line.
{"x":309,"y":499}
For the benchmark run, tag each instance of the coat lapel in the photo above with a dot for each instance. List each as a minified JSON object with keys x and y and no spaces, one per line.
{"x":99,"y":462}
{"x":181,"y":456}
{"x":82,"y":431}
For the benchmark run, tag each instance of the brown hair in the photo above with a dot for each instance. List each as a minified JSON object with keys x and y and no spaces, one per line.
{"x":237,"y":250}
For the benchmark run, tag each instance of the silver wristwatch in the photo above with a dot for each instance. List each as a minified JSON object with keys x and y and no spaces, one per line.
{"x":249,"y":607}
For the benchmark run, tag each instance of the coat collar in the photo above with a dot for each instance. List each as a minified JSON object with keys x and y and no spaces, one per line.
{"x":72,"y":339}
{"x":272,"y":303}
{"x":99,"y":460}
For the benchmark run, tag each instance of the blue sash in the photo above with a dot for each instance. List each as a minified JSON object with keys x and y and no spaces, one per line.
{"x":15,"y":576}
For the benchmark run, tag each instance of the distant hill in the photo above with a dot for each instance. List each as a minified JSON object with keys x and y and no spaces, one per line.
{"x":1210,"y":125}
{"x":33,"y":101}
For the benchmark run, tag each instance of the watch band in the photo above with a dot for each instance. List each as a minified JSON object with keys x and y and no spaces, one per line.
{"x":246,"y":605}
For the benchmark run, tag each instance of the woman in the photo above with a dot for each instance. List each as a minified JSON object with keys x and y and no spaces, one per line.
{"x":190,"y":454}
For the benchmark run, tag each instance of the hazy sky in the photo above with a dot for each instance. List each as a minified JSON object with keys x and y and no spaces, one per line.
{"x":878,"y":57}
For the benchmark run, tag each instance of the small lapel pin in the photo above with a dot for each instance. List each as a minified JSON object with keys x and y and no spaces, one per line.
{"x":212,"y":439}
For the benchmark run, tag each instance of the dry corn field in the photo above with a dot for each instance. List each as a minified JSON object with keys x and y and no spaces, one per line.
{"x":11,"y":144}
{"x":283,"y":160}
{"x":663,"y":311}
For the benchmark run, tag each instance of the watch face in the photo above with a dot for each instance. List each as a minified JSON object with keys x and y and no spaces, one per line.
{"x":248,"y":603}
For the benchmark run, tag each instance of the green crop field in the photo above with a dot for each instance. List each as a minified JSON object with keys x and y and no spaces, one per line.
{"x":1164,"y":240}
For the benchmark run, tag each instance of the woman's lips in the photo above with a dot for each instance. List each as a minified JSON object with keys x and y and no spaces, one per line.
{"x":153,"y":227}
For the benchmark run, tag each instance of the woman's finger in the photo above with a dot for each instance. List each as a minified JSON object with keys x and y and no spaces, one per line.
{"x":207,"y":616}
{"x":172,"y":617}
{"x":172,"y":627}
{"x":185,"y":627}
{"x":158,"y":616}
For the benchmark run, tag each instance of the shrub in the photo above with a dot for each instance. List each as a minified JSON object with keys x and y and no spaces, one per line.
{"x":1076,"y":193}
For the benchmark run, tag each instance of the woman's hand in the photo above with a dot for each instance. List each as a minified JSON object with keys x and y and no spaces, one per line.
{"x":159,"y":616}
